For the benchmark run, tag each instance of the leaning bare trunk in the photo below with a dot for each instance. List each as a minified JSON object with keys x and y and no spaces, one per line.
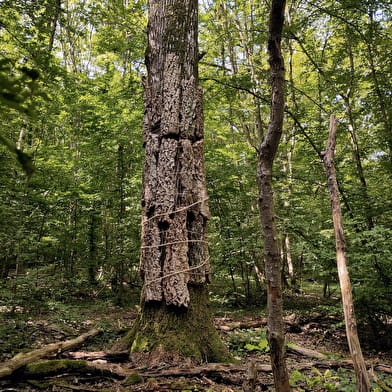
{"x":267,"y":154}
{"x":363,"y":383}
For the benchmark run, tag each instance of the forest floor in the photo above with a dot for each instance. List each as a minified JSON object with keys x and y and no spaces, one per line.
{"x":311,"y":323}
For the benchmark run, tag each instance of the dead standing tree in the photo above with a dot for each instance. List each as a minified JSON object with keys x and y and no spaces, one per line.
{"x":267,"y":152}
{"x":363,"y":384}
{"x":175,"y":315}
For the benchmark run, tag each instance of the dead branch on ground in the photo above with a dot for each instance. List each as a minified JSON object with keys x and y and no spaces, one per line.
{"x":23,"y":359}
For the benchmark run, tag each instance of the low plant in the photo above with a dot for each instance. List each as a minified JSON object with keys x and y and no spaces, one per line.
{"x":247,"y":340}
{"x":341,"y":380}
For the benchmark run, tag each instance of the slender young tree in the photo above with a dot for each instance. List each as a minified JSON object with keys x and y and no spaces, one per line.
{"x":267,"y":152}
{"x":363,"y":384}
{"x":175,"y":315}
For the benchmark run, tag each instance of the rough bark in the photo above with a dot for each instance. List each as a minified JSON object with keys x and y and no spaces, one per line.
{"x":363,"y":383}
{"x":267,"y":152}
{"x":175,"y":210}
{"x":174,"y":254}
{"x":23,"y":359}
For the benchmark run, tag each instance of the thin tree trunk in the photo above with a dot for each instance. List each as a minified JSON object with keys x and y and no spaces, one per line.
{"x":54,"y":22}
{"x":354,"y":141}
{"x":267,"y":154}
{"x":363,"y":383}
{"x":289,"y":260}
{"x":22,"y":135}
{"x":120,"y":267}
{"x":92,"y":253}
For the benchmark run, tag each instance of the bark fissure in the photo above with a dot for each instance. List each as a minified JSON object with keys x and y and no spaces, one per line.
{"x":174,"y":167}
{"x":174,"y":259}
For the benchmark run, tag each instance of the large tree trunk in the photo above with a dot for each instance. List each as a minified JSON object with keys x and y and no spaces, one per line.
{"x":174,"y":256}
{"x":267,"y":152}
{"x":363,"y":384}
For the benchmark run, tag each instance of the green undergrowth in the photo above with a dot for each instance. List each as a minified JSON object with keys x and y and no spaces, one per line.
{"x":40,"y":307}
{"x":245,"y":341}
{"x":22,"y":328}
{"x":329,"y":380}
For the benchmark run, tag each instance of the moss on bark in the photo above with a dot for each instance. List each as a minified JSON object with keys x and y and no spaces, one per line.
{"x":47,"y":368}
{"x":133,"y":379}
{"x":189,"y":332}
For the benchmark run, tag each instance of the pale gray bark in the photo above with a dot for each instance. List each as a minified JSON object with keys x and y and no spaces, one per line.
{"x":363,"y":384}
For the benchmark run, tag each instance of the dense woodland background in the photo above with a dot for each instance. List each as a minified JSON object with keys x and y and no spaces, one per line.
{"x":71,"y":98}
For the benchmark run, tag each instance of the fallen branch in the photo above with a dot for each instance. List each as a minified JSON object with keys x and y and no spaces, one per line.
{"x":306,"y":352}
{"x":42,"y":369}
{"x":74,"y":387}
{"x":379,"y":382}
{"x":248,"y":324}
{"x":120,"y":356}
{"x":205,"y":370}
{"x":216,"y":371}
{"x":243,"y":325}
{"x":228,"y":373}
{"x":23,"y":359}
{"x":384,"y":368}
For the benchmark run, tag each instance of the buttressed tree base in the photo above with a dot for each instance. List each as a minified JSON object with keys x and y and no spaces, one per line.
{"x":163,"y":330}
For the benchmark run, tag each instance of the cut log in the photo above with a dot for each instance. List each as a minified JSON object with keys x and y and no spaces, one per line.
{"x":306,"y":352}
{"x":23,"y":359}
